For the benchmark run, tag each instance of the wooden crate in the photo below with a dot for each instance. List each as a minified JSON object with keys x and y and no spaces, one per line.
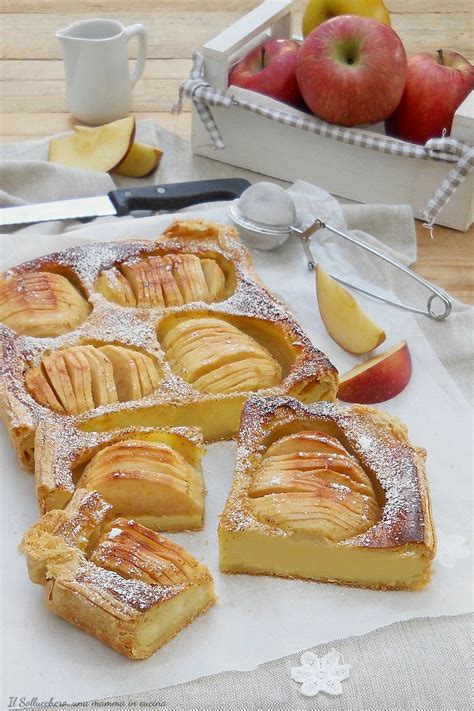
{"x":260,"y":144}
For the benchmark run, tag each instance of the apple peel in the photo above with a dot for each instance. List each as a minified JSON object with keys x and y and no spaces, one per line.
{"x":378,"y":379}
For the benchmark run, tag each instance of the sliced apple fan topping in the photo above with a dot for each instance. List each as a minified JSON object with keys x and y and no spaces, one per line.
{"x":308,"y":482}
{"x":41,"y":304}
{"x":80,"y":378}
{"x":216,"y":357}
{"x":133,"y":551}
{"x":160,"y":282}
{"x":143,"y":478}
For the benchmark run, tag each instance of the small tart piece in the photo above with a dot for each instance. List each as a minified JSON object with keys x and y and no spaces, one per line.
{"x":148,"y":481}
{"x":115,"y":579}
{"x":41,"y":304}
{"x":217,"y":357}
{"x":327,"y":493}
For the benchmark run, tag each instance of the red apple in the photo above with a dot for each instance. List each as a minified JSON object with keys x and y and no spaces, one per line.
{"x":270,"y":70}
{"x":379,"y":378}
{"x":351,"y":70}
{"x":437,"y":83}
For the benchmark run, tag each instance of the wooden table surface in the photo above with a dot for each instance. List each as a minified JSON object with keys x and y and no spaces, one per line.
{"x":33,"y":102}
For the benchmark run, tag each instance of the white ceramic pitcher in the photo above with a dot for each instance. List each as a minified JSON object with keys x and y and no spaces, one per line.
{"x":98,"y":81}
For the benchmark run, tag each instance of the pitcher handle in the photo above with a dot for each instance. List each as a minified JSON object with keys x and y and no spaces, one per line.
{"x":142,"y":45}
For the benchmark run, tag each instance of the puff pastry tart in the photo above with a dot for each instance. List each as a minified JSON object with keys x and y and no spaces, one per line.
{"x":176,"y":330}
{"x":327,"y":493}
{"x":114,"y":578}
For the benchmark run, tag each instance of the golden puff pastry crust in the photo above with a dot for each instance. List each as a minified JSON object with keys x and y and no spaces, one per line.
{"x":329,"y":493}
{"x":176,"y":330}
{"x":113,"y":578}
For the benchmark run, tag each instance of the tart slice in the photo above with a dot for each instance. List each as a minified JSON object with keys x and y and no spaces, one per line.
{"x":327,"y":493}
{"x":113,"y":578}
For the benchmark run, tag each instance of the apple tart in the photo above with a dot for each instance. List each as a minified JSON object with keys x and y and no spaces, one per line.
{"x":114,"y":578}
{"x":147,"y":333}
{"x":330,"y":494}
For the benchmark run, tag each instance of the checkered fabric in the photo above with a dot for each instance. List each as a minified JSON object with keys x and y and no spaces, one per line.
{"x":449,"y":150}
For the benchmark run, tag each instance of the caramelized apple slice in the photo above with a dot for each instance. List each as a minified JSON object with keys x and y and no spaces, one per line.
{"x":326,"y":513}
{"x":145,"y":283}
{"x":194,"y":277}
{"x":306,"y":441}
{"x":215,"y":279}
{"x":148,"y":481}
{"x":127,"y":381}
{"x":147,"y":372}
{"x":115,"y":287}
{"x":56,"y":371}
{"x":98,"y":149}
{"x":41,"y":304}
{"x":38,"y":385}
{"x":79,"y":371}
{"x":164,"y":269}
{"x":104,"y":391}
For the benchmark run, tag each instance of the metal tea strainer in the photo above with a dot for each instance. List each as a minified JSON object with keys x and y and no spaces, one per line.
{"x":276,"y":214}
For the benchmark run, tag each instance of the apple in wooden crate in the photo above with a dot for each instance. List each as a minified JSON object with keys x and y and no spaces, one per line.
{"x":270,"y":69}
{"x":378,"y":379}
{"x":436,"y":85}
{"x":318,"y":11}
{"x":351,"y":70}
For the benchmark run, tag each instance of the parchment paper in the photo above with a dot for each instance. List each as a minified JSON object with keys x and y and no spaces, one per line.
{"x":256,"y":618}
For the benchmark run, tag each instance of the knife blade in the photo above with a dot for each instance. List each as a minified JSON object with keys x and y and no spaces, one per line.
{"x":172,"y":196}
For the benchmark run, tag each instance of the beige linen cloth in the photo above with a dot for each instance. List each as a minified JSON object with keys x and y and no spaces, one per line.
{"x":421,"y":664}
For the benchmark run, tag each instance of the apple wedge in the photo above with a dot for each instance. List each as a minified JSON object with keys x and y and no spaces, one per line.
{"x":99,"y":149}
{"x":379,"y":378}
{"x":343,"y":318}
{"x":141,"y":160}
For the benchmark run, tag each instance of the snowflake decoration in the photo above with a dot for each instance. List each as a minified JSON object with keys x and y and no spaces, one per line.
{"x":321,"y":674}
{"x":451,"y":547}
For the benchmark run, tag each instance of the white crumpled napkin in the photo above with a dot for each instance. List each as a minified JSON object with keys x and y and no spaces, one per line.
{"x":256,"y":618}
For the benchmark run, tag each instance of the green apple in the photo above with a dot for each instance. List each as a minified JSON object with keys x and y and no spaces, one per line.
{"x":318,"y":11}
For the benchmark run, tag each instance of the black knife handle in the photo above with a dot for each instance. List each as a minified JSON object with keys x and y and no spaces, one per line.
{"x":175,"y":196}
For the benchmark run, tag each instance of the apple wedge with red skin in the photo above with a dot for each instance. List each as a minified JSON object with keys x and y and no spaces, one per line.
{"x":378,"y":379}
{"x":270,"y":69}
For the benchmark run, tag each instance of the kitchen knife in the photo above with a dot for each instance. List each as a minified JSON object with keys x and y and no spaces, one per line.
{"x":172,"y":196}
